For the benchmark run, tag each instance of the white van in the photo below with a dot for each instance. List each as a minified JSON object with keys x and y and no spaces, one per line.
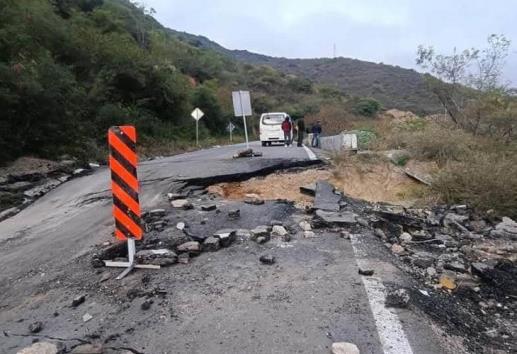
{"x":271,"y":127}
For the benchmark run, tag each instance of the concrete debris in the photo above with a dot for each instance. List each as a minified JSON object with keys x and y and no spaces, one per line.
{"x":175,"y":196}
{"x":234,"y":213}
{"x":78,"y":300}
{"x":309,"y":189}
{"x":267,"y":259}
{"x":507,"y":228}
{"x":184,"y":258}
{"x":325,"y":198}
{"x":309,"y":234}
{"x":305,"y":225}
{"x":405,"y":237}
{"x":36,"y":327}
{"x":191,"y":247}
{"x":208,"y":207}
{"x":181,"y":204}
{"x":158,"y":213}
{"x":397,"y":249}
{"x":279,"y":230}
{"x":40,"y":348}
{"x":343,"y":218}
{"x":162,"y":257}
{"x":366,"y":271}
{"x":243,"y":234}
{"x":345,"y":235}
{"x":344,"y":348}
{"x":211,"y":244}
{"x":262,"y":230}
{"x":87,"y":317}
{"x":181,"y":226}
{"x":397,"y":298}
{"x":226,"y":237}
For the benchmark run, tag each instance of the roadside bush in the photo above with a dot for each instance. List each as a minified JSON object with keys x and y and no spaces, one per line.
{"x":367,"y":107}
{"x":483,"y":180}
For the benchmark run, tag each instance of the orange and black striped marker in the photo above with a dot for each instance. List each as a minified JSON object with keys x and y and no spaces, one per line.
{"x":124,"y":182}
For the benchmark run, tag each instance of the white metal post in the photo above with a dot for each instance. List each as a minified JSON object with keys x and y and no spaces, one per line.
{"x":231,"y":130}
{"x":197,"y":132}
{"x":244,"y":119}
{"x":131,"y":250}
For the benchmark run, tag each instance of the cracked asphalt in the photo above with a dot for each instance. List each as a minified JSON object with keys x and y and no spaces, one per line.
{"x":221,"y":302}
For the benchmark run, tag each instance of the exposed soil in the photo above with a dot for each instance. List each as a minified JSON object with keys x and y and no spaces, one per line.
{"x":380,"y":181}
{"x":281,"y":185}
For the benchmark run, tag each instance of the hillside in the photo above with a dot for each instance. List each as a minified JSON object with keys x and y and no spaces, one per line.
{"x":393,"y":86}
{"x":70,"y":69}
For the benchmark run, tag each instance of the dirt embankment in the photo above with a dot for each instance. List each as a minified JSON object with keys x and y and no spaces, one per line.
{"x":374,"y":181}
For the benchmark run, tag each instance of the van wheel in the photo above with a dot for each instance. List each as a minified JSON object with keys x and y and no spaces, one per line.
{"x":269,"y":143}
{"x":264,"y":143}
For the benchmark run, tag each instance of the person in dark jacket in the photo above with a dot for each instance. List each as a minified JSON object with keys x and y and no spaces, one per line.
{"x":316,"y":132}
{"x":300,"y":124}
{"x":287,"y":127}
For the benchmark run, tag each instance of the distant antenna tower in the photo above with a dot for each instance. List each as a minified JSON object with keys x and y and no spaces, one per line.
{"x":334,"y":52}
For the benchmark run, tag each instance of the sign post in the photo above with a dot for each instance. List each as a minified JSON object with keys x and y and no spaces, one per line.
{"x":242,"y":108}
{"x":197,"y":114}
{"x":230,"y":127}
{"x":123,"y":161}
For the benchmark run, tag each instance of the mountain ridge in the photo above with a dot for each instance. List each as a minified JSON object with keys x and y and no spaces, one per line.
{"x":392,"y":85}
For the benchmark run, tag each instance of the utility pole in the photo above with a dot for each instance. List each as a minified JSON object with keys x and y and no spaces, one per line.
{"x":334,"y":52}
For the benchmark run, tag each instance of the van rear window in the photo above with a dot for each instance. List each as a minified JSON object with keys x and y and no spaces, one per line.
{"x":273,"y":119}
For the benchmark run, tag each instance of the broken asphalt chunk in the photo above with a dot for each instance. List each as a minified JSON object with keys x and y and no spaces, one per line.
{"x":211,"y":244}
{"x":182,"y":204}
{"x":254,"y":201}
{"x":234,"y":213}
{"x":325,"y":198}
{"x":36,"y":327}
{"x":267,"y":259}
{"x":226,"y":237}
{"x":208,"y":207}
{"x":397,"y":298}
{"x":78,"y":300}
{"x":343,"y":218}
{"x":366,"y":271}
{"x":192,"y":247}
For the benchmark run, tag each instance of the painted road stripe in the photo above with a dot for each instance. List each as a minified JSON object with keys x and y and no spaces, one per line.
{"x":390,"y":330}
{"x":309,"y":152}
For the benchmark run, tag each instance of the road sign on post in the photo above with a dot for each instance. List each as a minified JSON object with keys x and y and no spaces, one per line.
{"x":197,"y":114}
{"x":242,"y":108}
{"x":230,"y":128}
{"x":124,"y":186}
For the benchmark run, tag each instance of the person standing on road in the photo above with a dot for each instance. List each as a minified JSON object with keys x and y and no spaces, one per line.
{"x":316,"y":132}
{"x":300,"y":124}
{"x":287,"y":127}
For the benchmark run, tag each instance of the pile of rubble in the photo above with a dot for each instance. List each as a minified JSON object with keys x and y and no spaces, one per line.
{"x":27,"y":179}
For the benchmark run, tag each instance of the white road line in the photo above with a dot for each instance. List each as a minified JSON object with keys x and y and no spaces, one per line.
{"x":309,"y":152}
{"x":390,"y":330}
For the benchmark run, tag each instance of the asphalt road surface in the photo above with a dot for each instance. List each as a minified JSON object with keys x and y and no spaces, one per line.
{"x":223,"y":302}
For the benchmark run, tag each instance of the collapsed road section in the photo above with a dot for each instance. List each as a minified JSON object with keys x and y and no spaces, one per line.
{"x":260,"y":274}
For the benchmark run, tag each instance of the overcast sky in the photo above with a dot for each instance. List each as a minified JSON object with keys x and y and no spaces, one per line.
{"x":387,"y":31}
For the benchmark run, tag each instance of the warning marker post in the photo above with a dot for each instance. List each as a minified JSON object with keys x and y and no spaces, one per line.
{"x":123,"y":161}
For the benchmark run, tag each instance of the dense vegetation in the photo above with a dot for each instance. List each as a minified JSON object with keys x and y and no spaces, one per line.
{"x":69,"y":69}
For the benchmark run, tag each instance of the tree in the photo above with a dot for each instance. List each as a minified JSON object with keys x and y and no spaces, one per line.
{"x":469,"y":83}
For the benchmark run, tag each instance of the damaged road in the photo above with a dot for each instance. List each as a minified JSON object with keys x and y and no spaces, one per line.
{"x":240,"y":276}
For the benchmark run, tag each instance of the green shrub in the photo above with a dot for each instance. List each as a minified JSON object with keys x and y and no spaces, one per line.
{"x":367,"y":107}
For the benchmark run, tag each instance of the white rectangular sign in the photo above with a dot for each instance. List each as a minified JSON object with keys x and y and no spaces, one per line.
{"x":241,"y":103}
